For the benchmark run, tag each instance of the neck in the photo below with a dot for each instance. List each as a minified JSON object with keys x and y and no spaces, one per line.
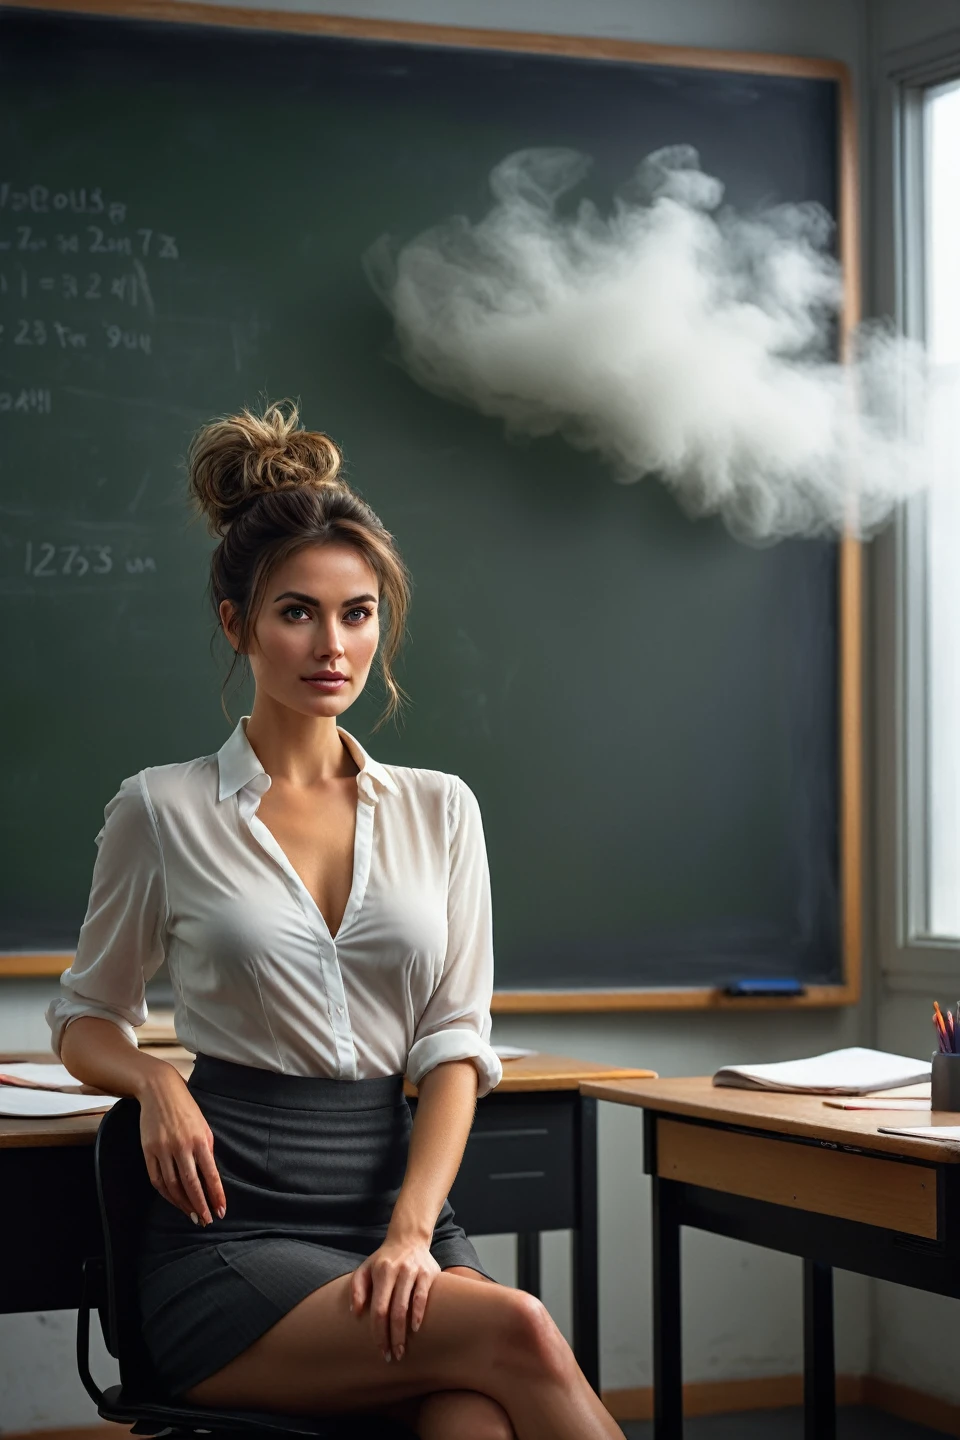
{"x":302,"y":750}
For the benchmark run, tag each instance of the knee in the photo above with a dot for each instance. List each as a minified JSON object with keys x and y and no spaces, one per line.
{"x":487,"y":1421}
{"x":494,"y":1424}
{"x":531,"y":1340}
{"x":465,"y":1414}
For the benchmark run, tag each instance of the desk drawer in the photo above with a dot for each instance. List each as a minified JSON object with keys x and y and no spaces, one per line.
{"x":889,"y":1193}
{"x":518,"y":1170}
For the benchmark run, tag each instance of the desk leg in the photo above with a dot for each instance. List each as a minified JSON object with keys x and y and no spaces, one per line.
{"x":528,"y":1262}
{"x":586,"y":1296}
{"x":819,"y":1380}
{"x":667,"y":1353}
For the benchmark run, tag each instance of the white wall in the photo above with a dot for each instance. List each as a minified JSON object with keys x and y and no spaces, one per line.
{"x":742,"y":1313}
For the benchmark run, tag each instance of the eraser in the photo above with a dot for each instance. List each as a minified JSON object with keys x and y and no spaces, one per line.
{"x":774,"y":985}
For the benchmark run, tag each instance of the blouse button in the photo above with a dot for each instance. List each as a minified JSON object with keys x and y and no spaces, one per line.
{"x":339,"y":1009}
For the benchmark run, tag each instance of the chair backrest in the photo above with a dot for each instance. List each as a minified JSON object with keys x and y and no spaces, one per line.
{"x":124,"y":1191}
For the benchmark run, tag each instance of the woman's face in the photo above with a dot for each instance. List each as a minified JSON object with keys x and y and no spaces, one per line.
{"x":319,"y":617}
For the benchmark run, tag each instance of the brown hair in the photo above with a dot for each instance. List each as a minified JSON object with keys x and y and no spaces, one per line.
{"x":268,"y":487}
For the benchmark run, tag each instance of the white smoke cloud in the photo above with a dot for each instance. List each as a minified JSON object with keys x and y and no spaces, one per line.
{"x":673,"y":336}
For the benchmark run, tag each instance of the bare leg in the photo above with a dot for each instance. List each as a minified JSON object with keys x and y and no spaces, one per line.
{"x":461,"y":1413}
{"x":489,"y":1339}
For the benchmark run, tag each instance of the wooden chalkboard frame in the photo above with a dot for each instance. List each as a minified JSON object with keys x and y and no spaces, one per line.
{"x":850,"y":599}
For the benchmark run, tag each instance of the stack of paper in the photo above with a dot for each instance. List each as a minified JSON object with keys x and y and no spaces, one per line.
{"x":31,"y":1091}
{"x":854,"y":1071}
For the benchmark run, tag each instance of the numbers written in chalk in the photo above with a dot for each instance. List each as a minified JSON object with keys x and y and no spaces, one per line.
{"x":43,"y":559}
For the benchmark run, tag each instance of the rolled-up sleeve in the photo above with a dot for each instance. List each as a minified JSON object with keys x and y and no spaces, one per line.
{"x":121,"y":941}
{"x":455,"y":1024}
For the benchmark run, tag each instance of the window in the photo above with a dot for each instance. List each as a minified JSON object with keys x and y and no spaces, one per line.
{"x":938,"y":912}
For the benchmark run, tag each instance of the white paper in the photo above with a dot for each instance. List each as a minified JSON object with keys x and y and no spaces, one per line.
{"x":512,"y":1052}
{"x":949,"y":1133}
{"x":42,"y":1104}
{"x":854,"y":1071}
{"x":51,"y":1077}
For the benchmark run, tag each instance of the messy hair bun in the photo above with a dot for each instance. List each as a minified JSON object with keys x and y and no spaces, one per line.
{"x":267,"y":488}
{"x":238,"y":458}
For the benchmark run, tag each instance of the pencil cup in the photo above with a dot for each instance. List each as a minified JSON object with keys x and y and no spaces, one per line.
{"x":945,"y":1082}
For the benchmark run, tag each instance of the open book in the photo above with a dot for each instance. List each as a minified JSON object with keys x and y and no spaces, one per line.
{"x":854,"y":1071}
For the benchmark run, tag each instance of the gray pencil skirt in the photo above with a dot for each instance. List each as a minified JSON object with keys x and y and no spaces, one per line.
{"x":311,"y":1169}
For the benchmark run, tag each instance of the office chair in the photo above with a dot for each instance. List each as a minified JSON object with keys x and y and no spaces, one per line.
{"x":110,"y":1286}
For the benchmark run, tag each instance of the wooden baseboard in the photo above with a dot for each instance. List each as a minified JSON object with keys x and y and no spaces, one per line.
{"x":725,"y":1397}
{"x":703,"y":1397}
{"x":909,"y":1404}
{"x":85,"y":1432}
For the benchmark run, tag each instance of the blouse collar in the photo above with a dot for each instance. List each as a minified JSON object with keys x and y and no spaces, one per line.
{"x":239,"y":765}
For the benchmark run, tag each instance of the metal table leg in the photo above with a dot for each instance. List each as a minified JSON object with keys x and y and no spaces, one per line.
{"x":586,"y":1284}
{"x":528,"y":1261}
{"x":819,"y":1379}
{"x":667,"y":1342}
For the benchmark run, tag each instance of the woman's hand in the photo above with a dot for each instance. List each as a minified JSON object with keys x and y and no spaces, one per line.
{"x":178,"y":1148}
{"x":396,"y":1280}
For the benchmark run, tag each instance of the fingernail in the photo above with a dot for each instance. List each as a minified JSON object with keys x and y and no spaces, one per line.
{"x":400,"y":1349}
{"x":194,"y":1218}
{"x":387,"y":1356}
{"x":415,"y":1325}
{"x":221,"y":1212}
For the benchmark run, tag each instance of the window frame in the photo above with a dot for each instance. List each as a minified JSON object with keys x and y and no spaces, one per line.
{"x":910,"y":956}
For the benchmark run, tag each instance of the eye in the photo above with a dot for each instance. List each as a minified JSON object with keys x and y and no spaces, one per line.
{"x":299,"y":609}
{"x":361,"y":610}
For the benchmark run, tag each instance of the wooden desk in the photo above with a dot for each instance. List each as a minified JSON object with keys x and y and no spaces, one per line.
{"x":792,"y":1174}
{"x":530,"y":1165}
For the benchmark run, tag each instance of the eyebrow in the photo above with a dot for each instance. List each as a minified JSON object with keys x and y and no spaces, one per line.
{"x":312,"y":600}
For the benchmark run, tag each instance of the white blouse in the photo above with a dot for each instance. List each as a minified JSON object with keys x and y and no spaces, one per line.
{"x":187,"y":873}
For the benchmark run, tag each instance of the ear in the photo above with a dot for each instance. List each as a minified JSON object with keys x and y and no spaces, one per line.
{"x":229,"y":616}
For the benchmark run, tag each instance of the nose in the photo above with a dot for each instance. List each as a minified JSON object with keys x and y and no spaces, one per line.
{"x":328,"y":639}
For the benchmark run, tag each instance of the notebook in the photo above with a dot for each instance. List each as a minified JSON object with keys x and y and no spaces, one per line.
{"x":38,"y":1076}
{"x":940,"y":1133}
{"x":24,"y":1104}
{"x":855,"y":1071}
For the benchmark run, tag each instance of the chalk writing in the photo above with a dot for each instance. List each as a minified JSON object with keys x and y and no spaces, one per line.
{"x":39,"y":200}
{"x":35,"y":230}
{"x":35,"y":333}
{"x":129,"y":288}
{"x":26,"y":402}
{"x":148,"y":244}
{"x":129,"y":339}
{"x":43,"y":560}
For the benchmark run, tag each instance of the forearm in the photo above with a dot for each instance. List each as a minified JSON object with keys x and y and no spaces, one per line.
{"x":96,"y":1052}
{"x":446,"y":1100}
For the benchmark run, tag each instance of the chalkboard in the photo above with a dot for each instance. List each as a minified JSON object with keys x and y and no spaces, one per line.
{"x":647,"y":710}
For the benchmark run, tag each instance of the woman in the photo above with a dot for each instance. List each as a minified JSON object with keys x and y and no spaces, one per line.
{"x":326,"y":925}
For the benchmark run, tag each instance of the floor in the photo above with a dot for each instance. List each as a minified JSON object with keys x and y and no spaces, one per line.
{"x":853,"y":1423}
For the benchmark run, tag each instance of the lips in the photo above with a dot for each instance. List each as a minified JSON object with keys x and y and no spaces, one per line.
{"x":326,"y":675}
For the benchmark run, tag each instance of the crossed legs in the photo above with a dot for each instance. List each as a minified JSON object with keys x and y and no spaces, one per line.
{"x":488,"y":1363}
